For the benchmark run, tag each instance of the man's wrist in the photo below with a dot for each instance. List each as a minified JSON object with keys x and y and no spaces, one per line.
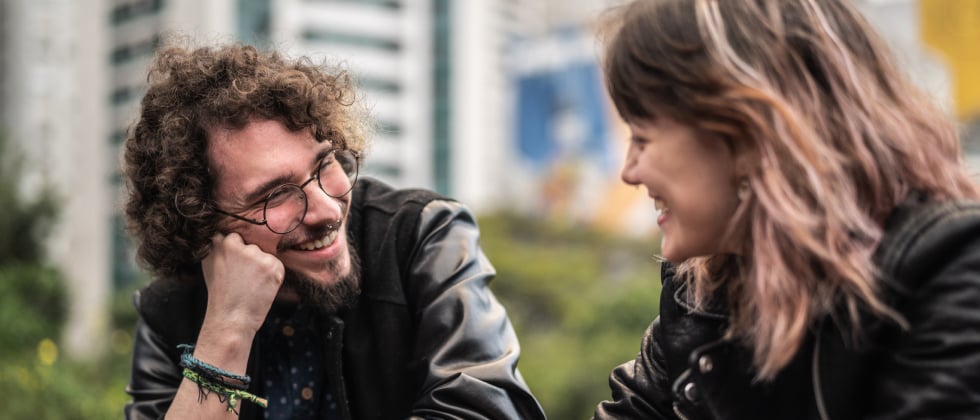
{"x":227,"y":348}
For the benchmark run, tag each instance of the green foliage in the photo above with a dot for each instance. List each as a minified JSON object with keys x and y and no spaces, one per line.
{"x":580,"y":301}
{"x":33,"y":305}
{"x":36,"y":388}
{"x":25,"y":222}
{"x":35,"y":383}
{"x":38,"y":383}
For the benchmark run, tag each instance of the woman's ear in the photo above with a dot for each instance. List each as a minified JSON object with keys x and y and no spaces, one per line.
{"x":744,"y":160}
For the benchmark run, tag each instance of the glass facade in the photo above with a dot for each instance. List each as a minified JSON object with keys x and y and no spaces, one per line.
{"x":442,"y":96}
{"x":123,"y":99}
{"x":254,"y":22}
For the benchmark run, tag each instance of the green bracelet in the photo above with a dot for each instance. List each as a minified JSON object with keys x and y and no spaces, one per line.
{"x":224,"y":393}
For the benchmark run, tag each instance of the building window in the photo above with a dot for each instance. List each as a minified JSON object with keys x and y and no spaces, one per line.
{"x":254,"y":21}
{"x":133,"y":9}
{"x":125,"y":272}
{"x":390,"y":4}
{"x":383,"y":170}
{"x":379,"y":85}
{"x":442,"y":96}
{"x":388,"y":127}
{"x":351,"y":39}
{"x":127,"y":52}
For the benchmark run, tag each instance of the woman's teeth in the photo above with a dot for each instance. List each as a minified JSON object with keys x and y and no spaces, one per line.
{"x":319,"y":243}
{"x":660,"y":205}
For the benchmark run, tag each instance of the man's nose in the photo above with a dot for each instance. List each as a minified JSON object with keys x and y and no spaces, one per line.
{"x":322,"y":208}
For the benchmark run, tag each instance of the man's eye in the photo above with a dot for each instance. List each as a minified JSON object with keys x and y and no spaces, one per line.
{"x":277,"y":197}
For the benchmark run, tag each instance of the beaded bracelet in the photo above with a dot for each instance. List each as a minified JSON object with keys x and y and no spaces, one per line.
{"x":230,"y":395}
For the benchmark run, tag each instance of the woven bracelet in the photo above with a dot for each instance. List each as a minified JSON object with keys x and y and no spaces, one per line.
{"x":187,"y":360}
{"x":225,"y":394}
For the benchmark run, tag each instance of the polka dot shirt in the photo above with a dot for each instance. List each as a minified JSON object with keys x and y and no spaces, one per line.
{"x":292,"y":366}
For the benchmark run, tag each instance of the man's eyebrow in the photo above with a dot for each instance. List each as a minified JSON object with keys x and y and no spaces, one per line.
{"x":262,"y":191}
{"x":322,"y":154}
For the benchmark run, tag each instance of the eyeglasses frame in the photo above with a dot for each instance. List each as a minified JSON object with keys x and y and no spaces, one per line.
{"x":302,"y":188}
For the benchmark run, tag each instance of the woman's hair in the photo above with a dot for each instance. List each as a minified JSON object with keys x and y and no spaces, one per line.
{"x":837,"y":137}
{"x":191,"y":91}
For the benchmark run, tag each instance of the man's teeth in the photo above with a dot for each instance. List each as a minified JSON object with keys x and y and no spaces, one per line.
{"x":660,"y":205}
{"x":319,"y":243}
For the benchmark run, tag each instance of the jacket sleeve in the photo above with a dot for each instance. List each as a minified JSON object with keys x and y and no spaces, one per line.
{"x":154,"y":377}
{"x":639,"y":387}
{"x":469,"y":344}
{"x":932,"y":368}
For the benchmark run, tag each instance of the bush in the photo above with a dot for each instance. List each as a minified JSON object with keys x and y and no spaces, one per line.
{"x":26,"y":222}
{"x":33,"y":306}
{"x":39,"y":384}
{"x":35,"y":383}
{"x":580,"y":301}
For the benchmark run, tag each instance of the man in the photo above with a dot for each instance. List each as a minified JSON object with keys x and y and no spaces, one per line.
{"x":285,"y":278}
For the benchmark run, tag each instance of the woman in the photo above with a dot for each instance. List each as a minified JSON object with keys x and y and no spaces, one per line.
{"x":822,"y":249}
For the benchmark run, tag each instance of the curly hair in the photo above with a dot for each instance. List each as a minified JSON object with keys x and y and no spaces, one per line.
{"x":192,"y":90}
{"x":837,"y":135}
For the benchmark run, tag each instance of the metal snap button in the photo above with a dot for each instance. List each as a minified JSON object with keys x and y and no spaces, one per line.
{"x":705,"y":364}
{"x":691,"y":392}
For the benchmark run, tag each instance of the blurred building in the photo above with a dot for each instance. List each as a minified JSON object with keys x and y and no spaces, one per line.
{"x":72,"y":75}
{"x":53,"y":81}
{"x":935,"y":42}
{"x":498,"y":103}
{"x":390,"y":46}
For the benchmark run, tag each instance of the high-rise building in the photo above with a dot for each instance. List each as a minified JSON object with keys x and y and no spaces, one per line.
{"x":54,"y":85}
{"x":432,"y":73}
{"x":388,"y":46}
{"x":135,"y":29}
{"x":445,"y":81}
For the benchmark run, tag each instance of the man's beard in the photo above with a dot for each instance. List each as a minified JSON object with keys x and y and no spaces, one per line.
{"x":333,"y":297}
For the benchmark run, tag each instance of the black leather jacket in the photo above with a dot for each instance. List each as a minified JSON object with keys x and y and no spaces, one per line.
{"x":427,"y":338}
{"x":930,"y":260}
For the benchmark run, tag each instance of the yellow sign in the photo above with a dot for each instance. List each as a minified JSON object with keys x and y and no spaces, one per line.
{"x":952,"y":28}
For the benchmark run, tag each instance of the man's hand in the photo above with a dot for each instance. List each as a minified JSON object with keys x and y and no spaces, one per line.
{"x":242,"y":282}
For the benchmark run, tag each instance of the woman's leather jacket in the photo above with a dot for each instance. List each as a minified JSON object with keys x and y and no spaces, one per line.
{"x":930,"y":266}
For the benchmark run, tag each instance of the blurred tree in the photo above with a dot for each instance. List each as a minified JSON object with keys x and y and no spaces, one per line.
{"x":32,"y":300}
{"x":580,"y":301}
{"x":35,"y":383}
{"x":25,"y":222}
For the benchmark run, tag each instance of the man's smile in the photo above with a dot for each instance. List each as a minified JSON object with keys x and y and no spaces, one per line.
{"x":318,"y":243}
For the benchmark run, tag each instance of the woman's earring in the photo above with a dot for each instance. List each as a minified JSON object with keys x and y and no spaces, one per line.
{"x":744,"y":190}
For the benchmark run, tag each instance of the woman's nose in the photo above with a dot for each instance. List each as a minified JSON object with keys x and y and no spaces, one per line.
{"x":628,"y":172}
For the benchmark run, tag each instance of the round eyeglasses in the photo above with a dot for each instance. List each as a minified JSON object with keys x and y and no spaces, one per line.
{"x":284,"y":209}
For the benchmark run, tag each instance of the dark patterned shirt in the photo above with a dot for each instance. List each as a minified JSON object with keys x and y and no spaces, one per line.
{"x":292,"y":366}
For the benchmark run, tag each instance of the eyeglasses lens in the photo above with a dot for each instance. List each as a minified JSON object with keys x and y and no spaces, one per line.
{"x":286,"y":207}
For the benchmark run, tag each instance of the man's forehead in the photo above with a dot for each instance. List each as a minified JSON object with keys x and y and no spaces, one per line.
{"x":258,"y":135}
{"x":244,"y":159}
